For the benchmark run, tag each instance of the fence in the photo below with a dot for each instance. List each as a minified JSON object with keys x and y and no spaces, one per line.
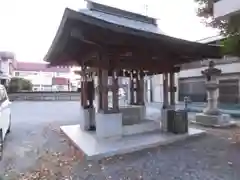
{"x":44,"y":96}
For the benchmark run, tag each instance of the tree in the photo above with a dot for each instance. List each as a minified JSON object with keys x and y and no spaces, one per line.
{"x":19,"y":84}
{"x":229,"y":28}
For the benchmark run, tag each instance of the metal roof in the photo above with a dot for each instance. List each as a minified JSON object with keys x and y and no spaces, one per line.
{"x":88,"y":27}
{"x":211,"y":39}
{"x":138,"y":25}
{"x":43,"y":67}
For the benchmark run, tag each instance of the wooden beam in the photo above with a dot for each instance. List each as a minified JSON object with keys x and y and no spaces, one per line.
{"x":107,"y":38}
{"x":78,"y":34}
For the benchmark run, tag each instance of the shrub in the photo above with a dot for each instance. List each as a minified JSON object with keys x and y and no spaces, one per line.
{"x":19,"y":84}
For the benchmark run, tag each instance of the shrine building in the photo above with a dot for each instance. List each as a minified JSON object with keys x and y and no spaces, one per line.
{"x":110,"y":43}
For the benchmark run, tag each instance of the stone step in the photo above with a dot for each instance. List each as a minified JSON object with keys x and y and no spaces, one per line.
{"x":142,"y":127}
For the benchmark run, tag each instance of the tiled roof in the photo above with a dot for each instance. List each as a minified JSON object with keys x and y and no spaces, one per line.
{"x":121,"y":21}
{"x":7,"y":55}
{"x":30,"y":66}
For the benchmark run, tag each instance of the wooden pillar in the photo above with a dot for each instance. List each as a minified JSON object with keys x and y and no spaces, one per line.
{"x":90,"y":90}
{"x":165,"y":90}
{"x":151,"y":89}
{"x":104,"y":90}
{"x":99,"y":90}
{"x":131,"y":88}
{"x":114,"y":88}
{"x":84,"y":88}
{"x":81,"y":92}
{"x":140,"y":88}
{"x":172,"y":88}
{"x":137,"y":89}
{"x":87,"y":90}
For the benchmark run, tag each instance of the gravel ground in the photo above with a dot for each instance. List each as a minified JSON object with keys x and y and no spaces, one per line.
{"x":35,"y":148}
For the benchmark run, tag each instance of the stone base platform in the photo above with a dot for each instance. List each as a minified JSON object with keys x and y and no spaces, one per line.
{"x":132,"y":114}
{"x":89,"y":118}
{"x":218,"y":121}
{"x":95,"y":149}
{"x":143,"y":126}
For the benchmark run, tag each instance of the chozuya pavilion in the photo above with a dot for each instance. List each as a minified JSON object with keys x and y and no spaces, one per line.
{"x":109,"y":43}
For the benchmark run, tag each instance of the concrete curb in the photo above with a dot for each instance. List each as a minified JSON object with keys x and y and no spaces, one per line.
{"x":232,"y":114}
{"x":232,"y":124}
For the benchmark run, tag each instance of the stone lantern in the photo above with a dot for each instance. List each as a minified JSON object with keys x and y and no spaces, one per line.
{"x":211,"y":74}
{"x":211,"y":115}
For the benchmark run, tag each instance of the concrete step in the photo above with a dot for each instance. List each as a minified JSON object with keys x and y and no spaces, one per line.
{"x":142,"y":127}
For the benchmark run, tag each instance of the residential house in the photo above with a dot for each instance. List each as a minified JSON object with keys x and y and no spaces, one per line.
{"x":7,"y":65}
{"x":190,"y":81}
{"x":223,"y":9}
{"x":43,"y":77}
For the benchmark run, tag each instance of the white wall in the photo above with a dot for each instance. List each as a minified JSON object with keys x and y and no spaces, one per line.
{"x":63,"y":74}
{"x":42,"y":81}
{"x":157,"y":89}
{"x":36,"y":77}
{"x":60,"y":88}
{"x":44,"y":78}
{"x":157,"y":80}
{"x":39,"y":79}
{"x":226,"y":68}
{"x":5,"y":69}
{"x":23,"y":74}
{"x":225,"y":8}
{"x":157,"y":83}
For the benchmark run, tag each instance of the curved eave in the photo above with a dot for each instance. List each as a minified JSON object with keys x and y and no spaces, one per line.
{"x":60,"y":39}
{"x":56,"y":41}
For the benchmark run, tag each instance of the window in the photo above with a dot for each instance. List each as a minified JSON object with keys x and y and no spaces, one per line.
{"x":16,"y":73}
{"x":3,"y":95}
{"x":22,"y":74}
{"x":61,"y":74}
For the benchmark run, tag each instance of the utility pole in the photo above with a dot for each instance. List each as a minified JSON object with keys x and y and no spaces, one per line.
{"x":146,"y":9}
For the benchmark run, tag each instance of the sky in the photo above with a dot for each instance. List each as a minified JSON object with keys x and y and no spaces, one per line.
{"x":27,"y":27}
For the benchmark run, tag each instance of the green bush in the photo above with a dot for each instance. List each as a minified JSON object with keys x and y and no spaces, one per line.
{"x":19,"y":84}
